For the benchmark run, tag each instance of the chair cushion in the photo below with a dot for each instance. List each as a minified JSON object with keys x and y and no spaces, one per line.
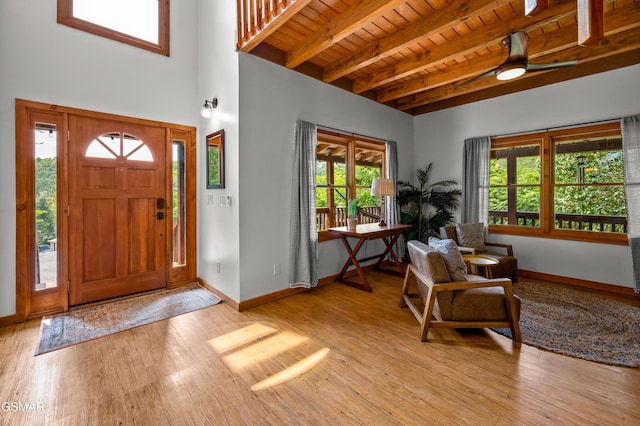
{"x":471,"y":235}
{"x":428,"y":262}
{"x":448,"y":249}
{"x":481,"y":304}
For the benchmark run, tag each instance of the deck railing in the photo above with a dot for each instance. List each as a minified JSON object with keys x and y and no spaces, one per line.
{"x":256,"y":17}
{"x":366,"y":214}
{"x":584,"y":222}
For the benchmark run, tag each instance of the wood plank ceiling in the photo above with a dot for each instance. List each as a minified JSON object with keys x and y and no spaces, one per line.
{"x":413,"y":54}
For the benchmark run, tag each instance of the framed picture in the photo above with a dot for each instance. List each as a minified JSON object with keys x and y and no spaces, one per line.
{"x":215,"y":160}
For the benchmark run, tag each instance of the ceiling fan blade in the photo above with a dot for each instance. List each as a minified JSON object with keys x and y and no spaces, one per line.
{"x":518,"y":51}
{"x":478,"y":77}
{"x":550,"y":66}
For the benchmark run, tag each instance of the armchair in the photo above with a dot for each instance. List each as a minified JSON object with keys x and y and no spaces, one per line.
{"x":475,"y":303}
{"x":507,"y":264}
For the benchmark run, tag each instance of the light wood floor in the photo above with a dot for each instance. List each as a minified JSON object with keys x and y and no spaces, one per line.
{"x":331,"y":356}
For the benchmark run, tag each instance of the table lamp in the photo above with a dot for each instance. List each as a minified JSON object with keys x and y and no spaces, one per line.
{"x":383,"y":188}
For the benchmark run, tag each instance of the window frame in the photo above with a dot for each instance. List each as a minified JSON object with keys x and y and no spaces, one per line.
{"x":65,"y":17}
{"x":547,"y":185}
{"x":351,"y":143}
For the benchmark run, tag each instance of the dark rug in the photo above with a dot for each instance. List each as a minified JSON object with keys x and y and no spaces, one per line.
{"x":578,"y":324}
{"x":70,"y":328}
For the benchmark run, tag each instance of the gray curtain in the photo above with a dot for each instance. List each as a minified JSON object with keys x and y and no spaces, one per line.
{"x":475,"y":180}
{"x":303,"y":247}
{"x":631,"y":147}
{"x":391,"y":207}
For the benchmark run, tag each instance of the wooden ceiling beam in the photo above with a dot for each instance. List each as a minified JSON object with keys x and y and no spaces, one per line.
{"x":339,"y":28}
{"x":594,"y":67}
{"x":618,"y":20}
{"x":465,"y":71}
{"x":439,"y":20}
{"x":464,"y":45}
{"x":616,"y":44}
{"x":590,"y":21}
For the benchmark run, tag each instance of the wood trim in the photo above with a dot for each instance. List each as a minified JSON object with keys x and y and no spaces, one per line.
{"x":100,"y":115}
{"x":272,"y":297}
{"x":593,"y":285}
{"x":8,"y":320}
{"x":23,"y":177}
{"x":65,"y":17}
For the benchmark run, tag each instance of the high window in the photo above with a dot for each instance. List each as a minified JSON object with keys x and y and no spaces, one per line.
{"x":566,"y":184}
{"x":140,"y":23}
{"x":345,"y":168}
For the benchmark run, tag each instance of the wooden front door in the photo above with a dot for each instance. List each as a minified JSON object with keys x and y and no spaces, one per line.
{"x":117,"y":209}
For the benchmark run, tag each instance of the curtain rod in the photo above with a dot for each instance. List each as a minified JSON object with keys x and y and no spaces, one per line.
{"x":344,"y":132}
{"x":609,"y":120}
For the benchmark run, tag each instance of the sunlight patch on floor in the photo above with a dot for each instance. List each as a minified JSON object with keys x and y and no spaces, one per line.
{"x":264,"y":349}
{"x":256,"y":343}
{"x":292,"y":371}
{"x":238,"y":338}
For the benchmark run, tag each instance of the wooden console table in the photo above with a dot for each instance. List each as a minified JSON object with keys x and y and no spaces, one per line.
{"x":371,"y":231}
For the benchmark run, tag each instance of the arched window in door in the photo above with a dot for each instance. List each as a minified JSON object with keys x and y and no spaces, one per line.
{"x":116,"y":145}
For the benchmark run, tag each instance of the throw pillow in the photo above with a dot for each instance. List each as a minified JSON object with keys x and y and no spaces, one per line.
{"x":471,"y":235}
{"x":448,"y":249}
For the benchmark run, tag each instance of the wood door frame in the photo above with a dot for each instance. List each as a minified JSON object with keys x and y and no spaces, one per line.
{"x":25,"y":194}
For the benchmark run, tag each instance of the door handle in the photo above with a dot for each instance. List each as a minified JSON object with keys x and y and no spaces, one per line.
{"x":160,"y":215}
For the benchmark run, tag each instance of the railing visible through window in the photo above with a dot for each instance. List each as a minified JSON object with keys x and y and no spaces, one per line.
{"x":346,"y":166}
{"x":566,"y":183}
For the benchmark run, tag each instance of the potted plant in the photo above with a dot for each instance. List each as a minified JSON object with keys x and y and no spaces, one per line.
{"x":427,"y":206}
{"x":352,"y":214}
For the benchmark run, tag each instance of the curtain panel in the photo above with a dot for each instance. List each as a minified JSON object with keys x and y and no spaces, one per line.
{"x":475,"y":180}
{"x":631,"y":150}
{"x":303,"y":244}
{"x":391,"y":206}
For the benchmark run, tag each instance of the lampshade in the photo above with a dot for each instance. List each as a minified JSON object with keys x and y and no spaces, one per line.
{"x":509,"y":71}
{"x":383,"y":187}
{"x":205,"y":111}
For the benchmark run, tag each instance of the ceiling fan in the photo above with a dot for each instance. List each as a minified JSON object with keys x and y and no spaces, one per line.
{"x":518,"y":61}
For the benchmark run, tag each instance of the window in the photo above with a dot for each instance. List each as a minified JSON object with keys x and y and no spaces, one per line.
{"x":566,"y":184}
{"x":140,"y":23}
{"x":114,"y":145}
{"x":345,"y":168}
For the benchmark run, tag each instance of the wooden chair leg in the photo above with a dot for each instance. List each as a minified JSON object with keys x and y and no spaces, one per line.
{"x":428,"y":314}
{"x":513,"y":315}
{"x":405,"y":288}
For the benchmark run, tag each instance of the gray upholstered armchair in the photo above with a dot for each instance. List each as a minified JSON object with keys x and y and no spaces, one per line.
{"x":475,"y":303}
{"x":464,"y":236}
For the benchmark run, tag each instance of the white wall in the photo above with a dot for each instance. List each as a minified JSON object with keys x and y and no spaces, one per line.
{"x":218,"y":227}
{"x":43,"y":61}
{"x":439,"y":137}
{"x":272,"y":99}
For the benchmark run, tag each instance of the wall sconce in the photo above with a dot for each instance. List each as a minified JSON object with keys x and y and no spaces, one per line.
{"x":383,"y":188}
{"x":207,"y":108}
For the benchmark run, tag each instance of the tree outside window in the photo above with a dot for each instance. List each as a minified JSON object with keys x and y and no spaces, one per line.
{"x":566,"y":184}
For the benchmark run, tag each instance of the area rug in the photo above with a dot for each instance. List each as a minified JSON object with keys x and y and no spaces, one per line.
{"x":63,"y":330}
{"x":578,"y":324}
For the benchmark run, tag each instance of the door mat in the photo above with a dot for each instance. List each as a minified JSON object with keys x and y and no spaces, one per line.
{"x":63,"y":330}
